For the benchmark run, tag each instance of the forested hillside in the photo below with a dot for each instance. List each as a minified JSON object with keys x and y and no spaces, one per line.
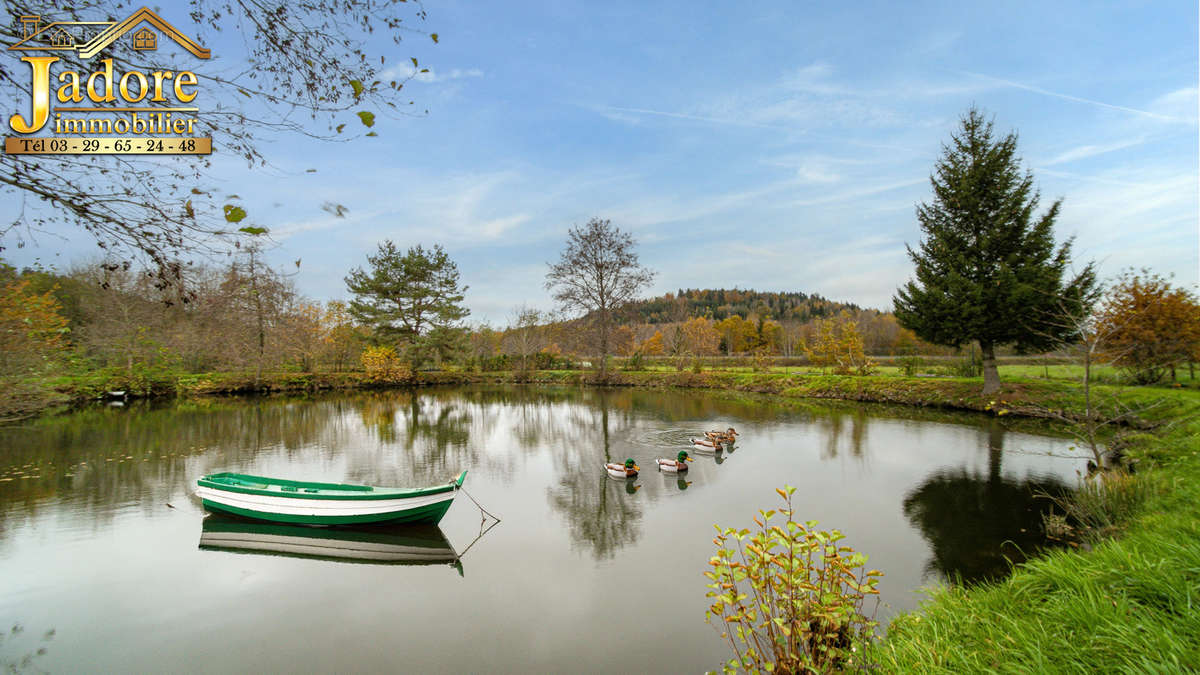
{"x":722,"y":303}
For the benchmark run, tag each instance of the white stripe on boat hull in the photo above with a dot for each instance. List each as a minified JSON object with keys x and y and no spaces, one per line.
{"x":292,"y":506}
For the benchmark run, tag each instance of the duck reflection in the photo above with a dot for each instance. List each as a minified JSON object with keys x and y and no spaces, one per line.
{"x":718,"y":455}
{"x":395,"y":545}
{"x":979,"y":525}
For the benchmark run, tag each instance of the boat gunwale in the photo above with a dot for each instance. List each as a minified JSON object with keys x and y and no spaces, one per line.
{"x":325,"y":491}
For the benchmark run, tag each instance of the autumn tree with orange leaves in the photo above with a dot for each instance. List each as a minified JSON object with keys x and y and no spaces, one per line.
{"x":700,"y":337}
{"x":32,"y":343}
{"x":1150,"y":326}
{"x":653,"y":345}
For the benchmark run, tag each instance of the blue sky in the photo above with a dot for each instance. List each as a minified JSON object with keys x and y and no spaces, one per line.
{"x":766,"y":145}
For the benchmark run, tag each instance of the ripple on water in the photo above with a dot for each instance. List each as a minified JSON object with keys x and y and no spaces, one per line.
{"x":677,"y":439}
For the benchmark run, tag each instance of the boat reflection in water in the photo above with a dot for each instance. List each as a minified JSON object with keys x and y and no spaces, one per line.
{"x":390,"y":545}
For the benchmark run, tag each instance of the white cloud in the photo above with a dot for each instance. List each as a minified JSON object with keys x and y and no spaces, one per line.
{"x":1122,"y":220}
{"x":660,"y":209}
{"x":613,"y":113}
{"x":1069,"y":97}
{"x":351,"y":219}
{"x":1180,"y":104}
{"x":858,"y":193}
{"x":813,"y":79}
{"x":865,"y":270}
{"x":492,"y":229}
{"x":403,"y":71}
{"x":1085,"y":151}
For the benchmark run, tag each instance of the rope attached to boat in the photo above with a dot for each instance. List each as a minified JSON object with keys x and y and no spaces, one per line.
{"x":482,"y":510}
{"x":484,"y":515}
{"x":479,"y":536}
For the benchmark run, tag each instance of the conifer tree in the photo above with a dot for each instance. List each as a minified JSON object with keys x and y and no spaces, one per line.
{"x":988,"y":269}
{"x":414,"y":297}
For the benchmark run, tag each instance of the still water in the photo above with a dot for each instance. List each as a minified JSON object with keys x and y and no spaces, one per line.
{"x":107,"y":564}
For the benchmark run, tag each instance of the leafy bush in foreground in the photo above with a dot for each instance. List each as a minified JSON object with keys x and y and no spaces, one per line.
{"x":789,"y":598}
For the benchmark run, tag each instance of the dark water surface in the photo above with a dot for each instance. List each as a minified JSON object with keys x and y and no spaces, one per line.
{"x":585,"y":573}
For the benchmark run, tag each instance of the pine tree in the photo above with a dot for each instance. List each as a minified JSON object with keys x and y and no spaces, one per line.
{"x":407,"y":296}
{"x":988,"y":269}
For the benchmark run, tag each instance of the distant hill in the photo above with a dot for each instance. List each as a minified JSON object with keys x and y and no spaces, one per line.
{"x":722,"y":303}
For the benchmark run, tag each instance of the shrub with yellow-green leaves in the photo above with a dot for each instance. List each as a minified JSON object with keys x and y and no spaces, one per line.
{"x":383,"y":366}
{"x":788,"y":597}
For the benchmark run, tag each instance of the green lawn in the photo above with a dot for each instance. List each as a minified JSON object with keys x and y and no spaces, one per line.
{"x":1101,"y":373}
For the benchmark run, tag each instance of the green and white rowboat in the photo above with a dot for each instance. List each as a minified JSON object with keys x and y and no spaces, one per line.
{"x":289,"y":501}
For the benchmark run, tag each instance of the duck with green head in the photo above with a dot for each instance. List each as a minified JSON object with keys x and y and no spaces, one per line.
{"x":627,"y":470}
{"x":674,"y":465}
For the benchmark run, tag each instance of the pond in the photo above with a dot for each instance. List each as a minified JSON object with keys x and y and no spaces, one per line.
{"x":107,"y":563}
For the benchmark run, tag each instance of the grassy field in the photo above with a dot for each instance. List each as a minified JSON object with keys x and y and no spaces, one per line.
{"x":1103,"y":374}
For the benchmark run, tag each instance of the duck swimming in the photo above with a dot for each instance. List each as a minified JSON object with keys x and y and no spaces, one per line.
{"x":627,"y":470}
{"x":674,"y":465}
{"x":727,"y":436}
{"x":702,"y":444}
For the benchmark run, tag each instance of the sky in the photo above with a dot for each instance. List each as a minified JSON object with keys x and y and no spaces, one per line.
{"x":778,"y":146}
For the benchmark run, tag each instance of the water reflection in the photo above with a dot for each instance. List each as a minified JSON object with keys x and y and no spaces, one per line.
{"x":398,"y":545}
{"x":101,"y":461}
{"x":420,"y":438}
{"x":978,"y":525}
{"x":602,"y":514}
{"x":845,"y":431}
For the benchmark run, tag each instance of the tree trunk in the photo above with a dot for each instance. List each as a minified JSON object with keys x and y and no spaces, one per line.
{"x":991,"y":376}
{"x":603,"y":350}
{"x":1091,"y":420}
{"x":995,"y":451}
{"x":258,"y":312}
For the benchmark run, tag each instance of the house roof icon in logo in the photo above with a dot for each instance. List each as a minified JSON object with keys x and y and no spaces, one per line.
{"x":68,"y":35}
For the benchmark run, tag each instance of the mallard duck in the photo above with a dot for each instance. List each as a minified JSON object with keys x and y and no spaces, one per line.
{"x":627,"y":470}
{"x":674,"y":465}
{"x":727,"y":436}
{"x":703,"y":444}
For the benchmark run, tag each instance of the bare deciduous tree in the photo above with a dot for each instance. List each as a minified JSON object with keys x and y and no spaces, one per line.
{"x":597,"y":274}
{"x":262,"y":295}
{"x":524,"y":337}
